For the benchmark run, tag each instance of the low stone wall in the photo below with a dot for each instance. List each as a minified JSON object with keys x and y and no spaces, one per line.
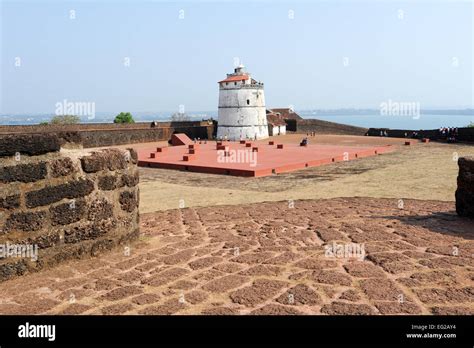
{"x":326,"y":127}
{"x":110,"y":134}
{"x":98,"y":138}
{"x":62,"y":202}
{"x":465,"y":190}
{"x":465,"y":134}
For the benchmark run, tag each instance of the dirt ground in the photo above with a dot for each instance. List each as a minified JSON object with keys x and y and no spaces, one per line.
{"x":421,"y":171}
{"x":271,"y":258}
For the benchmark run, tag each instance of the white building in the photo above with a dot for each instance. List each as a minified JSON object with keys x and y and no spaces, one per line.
{"x":242,"y":113}
{"x":276,"y":123}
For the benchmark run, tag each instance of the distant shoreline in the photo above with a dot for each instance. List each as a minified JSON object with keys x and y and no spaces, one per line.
{"x":368,"y":118}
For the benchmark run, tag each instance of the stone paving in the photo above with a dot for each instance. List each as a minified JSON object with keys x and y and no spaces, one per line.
{"x":271,"y":258}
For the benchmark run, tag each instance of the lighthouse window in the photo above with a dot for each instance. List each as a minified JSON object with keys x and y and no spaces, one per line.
{"x":248,"y":101}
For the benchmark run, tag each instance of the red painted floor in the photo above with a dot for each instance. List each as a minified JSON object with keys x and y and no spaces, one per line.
{"x":242,"y":161}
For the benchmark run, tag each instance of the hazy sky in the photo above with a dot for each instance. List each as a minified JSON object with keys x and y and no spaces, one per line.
{"x":403,"y":51}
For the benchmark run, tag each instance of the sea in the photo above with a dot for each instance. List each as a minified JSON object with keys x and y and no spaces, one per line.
{"x":367,"y":119}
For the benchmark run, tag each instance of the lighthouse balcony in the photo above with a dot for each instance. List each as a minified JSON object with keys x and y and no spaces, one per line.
{"x":238,"y":86}
{"x":252,"y":85}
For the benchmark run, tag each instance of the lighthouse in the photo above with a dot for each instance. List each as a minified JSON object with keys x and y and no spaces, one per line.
{"x":242,"y":113}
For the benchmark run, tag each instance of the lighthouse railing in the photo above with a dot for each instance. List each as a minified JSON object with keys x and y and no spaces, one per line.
{"x":253,"y":85}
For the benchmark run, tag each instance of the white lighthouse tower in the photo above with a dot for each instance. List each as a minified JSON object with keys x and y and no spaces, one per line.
{"x":242,"y":114}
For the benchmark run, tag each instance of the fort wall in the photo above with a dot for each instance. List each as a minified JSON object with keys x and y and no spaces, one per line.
{"x":465,"y":190}
{"x":60,"y":202}
{"x":110,"y":134}
{"x":465,"y":134}
{"x":326,"y":127}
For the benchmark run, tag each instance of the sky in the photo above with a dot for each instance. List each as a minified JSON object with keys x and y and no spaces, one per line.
{"x":156,"y":56}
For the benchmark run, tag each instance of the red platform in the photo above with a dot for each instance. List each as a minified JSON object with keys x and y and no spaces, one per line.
{"x":243,"y":161}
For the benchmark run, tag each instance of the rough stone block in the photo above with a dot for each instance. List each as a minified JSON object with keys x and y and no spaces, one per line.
{"x":9,"y":270}
{"x":29,"y":144}
{"x":128,"y":201}
{"x":100,"y":209}
{"x":130,"y":180}
{"x":51,"y":194}
{"x":111,"y":159}
{"x":44,"y":241}
{"x":30,"y":172}
{"x":61,"y":167}
{"x":91,"y":231}
{"x":67,"y":213}
{"x":25,"y":221}
{"x":107,"y":182}
{"x":10,"y":202}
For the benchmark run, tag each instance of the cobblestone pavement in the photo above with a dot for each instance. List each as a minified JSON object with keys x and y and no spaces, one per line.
{"x":271,"y":258}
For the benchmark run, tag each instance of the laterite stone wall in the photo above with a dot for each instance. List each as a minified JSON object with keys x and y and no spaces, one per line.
{"x":465,"y":190}
{"x":63,"y":201}
{"x":111,"y":134}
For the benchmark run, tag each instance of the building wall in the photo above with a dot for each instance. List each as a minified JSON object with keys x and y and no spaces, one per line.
{"x":271,"y":130}
{"x":237,"y":119}
{"x":65,"y":203}
{"x":276,"y":130}
{"x":291,"y":125}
